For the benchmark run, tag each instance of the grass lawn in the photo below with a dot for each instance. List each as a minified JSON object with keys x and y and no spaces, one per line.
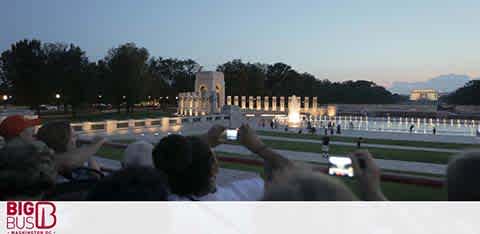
{"x":110,"y":153}
{"x":392,"y":154}
{"x":370,"y":140}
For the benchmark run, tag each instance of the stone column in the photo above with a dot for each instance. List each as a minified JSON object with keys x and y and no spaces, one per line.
{"x":265,"y":103}
{"x":274,"y":103}
{"x":244,"y":102}
{"x":229,"y":100}
{"x":306,"y":104}
{"x":314,"y":105}
{"x":250,"y":102}
{"x":190,"y":104}
{"x":259,"y":103}
{"x":235,"y":101}
{"x":282,"y":104}
{"x":196,"y":103}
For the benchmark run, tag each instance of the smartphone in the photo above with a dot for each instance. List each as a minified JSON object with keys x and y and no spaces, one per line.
{"x":340,"y":166}
{"x":231,"y":134}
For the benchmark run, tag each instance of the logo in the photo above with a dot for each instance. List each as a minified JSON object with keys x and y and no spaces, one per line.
{"x":31,"y":217}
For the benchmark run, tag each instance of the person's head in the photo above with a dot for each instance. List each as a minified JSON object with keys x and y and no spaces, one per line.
{"x":189,"y":164}
{"x":306,"y":185}
{"x":131,"y":184}
{"x":58,"y":135}
{"x":462,"y":174}
{"x":138,"y":154}
{"x":25,"y":174}
{"x":18,"y":126}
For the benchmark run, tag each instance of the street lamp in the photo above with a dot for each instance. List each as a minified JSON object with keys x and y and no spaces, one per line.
{"x":5,"y":98}
{"x":57,"y":96}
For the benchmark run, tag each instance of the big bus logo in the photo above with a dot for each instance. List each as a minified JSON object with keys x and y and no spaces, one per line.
{"x":31,"y":215}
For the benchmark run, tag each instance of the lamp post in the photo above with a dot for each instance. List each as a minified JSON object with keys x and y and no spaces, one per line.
{"x":57,"y":97}
{"x":5,"y":98}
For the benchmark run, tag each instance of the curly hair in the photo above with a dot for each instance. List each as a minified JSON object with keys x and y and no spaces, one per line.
{"x":56,"y":135}
{"x":188,"y":163}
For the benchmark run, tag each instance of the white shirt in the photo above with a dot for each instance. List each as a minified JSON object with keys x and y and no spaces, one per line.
{"x":240,"y":190}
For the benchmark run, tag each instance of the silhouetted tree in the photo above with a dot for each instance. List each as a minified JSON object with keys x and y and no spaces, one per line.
{"x":127,"y":76}
{"x":466,"y":95}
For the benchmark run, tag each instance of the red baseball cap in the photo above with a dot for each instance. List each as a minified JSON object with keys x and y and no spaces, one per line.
{"x":13,"y":125}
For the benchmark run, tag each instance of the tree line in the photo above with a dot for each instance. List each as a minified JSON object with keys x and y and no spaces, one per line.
{"x":466,"y":95}
{"x":280,"y":79}
{"x":33,"y":72}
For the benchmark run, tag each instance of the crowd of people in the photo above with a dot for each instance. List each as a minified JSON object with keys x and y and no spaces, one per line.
{"x":49,"y":164}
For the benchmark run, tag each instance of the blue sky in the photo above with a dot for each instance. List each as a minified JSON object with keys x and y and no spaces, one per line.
{"x":383,"y":41}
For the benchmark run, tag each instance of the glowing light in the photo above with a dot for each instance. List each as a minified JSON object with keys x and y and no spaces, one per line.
{"x":57,"y":96}
{"x":294,"y":112}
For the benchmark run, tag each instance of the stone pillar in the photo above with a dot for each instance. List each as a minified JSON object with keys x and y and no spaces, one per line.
{"x":250,"y":102}
{"x":190,"y":104}
{"x":244,"y":102}
{"x":235,"y":101}
{"x":265,"y":103}
{"x":196,"y":104}
{"x":282,"y":104}
{"x":306,"y":104}
{"x":229,"y":100}
{"x":259,"y":103}
{"x":110,"y":126}
{"x":274,"y":103}
{"x":314,"y":105}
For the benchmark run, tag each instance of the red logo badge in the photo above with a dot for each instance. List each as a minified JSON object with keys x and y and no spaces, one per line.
{"x":26,"y":215}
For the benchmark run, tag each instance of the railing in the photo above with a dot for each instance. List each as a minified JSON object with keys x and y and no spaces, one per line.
{"x":155,"y":124}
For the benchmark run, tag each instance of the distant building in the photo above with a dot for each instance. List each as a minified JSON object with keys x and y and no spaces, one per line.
{"x":424,"y":95}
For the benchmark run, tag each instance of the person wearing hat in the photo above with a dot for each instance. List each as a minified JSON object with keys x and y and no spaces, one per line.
{"x":19,"y":131}
{"x":18,"y":126}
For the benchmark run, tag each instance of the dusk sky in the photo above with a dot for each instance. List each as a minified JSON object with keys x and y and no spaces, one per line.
{"x":383,"y":41}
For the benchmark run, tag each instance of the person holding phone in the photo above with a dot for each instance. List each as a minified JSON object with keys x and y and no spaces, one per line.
{"x":368,"y":176}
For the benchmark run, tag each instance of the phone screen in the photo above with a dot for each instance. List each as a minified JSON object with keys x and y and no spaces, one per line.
{"x":232,"y":134}
{"x":340,"y":166}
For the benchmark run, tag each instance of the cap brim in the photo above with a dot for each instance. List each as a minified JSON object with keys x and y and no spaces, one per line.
{"x":33,"y":122}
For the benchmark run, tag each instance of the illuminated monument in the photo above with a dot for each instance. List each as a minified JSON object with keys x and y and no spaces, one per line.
{"x":208,"y":98}
{"x":424,"y":94}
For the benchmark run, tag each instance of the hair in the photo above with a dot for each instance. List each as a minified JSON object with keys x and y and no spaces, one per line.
{"x":138,"y":154}
{"x":25,"y":173}
{"x":189,"y":164}
{"x":56,"y":135}
{"x":306,"y":185}
{"x":131,"y":184}
{"x":462,"y":177}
